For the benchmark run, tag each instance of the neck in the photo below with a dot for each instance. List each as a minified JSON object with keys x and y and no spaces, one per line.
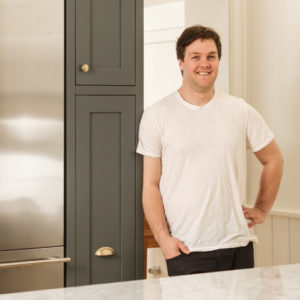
{"x":196,"y":97}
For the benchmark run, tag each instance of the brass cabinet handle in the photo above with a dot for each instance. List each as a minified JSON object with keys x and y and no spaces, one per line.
{"x":85,"y":68}
{"x":105,"y":251}
{"x":155,"y":270}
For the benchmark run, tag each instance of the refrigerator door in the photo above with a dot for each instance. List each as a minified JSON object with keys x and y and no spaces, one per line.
{"x":31,"y":123}
{"x":34,"y":269}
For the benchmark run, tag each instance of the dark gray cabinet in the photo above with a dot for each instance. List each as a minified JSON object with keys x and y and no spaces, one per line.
{"x":103,"y":110}
{"x":105,"y":185}
{"x":105,"y":41}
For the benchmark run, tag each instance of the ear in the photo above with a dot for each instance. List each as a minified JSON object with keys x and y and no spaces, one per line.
{"x":180,"y":63}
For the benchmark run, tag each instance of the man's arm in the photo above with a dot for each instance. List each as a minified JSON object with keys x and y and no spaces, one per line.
{"x":272,"y":161}
{"x":154,"y":210}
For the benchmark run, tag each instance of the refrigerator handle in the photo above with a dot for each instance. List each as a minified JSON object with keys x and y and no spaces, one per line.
{"x":25,"y":263}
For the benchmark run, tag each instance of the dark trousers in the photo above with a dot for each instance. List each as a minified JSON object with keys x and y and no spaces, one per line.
{"x":212,"y":261}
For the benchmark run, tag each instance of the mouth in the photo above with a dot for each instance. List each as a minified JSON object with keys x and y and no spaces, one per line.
{"x":203,"y":73}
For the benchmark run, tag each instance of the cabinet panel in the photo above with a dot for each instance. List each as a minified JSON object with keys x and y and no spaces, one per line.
{"x":105,"y":187}
{"x":264,"y":251}
{"x":281,"y":240}
{"x":105,"y":40}
{"x":295,"y":240}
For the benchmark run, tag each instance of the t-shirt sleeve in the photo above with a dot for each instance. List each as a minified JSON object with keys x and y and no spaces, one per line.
{"x":259,"y":134}
{"x":149,"y":136}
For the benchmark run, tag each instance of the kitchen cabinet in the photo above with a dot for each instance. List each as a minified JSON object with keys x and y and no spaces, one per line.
{"x":105,"y":42}
{"x":105,"y":185}
{"x":104,"y":104}
{"x":154,"y":261}
{"x":149,"y":242}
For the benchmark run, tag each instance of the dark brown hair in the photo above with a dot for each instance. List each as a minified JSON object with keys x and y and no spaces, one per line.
{"x":190,"y":34}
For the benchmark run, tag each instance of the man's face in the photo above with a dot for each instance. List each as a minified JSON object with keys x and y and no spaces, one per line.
{"x":200,"y":65}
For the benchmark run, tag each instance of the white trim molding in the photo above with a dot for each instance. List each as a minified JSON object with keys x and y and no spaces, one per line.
{"x":238,"y":45}
{"x":149,"y":3}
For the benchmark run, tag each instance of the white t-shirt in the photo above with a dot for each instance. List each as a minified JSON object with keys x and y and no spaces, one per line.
{"x":203,"y":153}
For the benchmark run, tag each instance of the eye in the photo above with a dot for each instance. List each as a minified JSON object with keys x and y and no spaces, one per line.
{"x":211,"y":57}
{"x":196,"y":57}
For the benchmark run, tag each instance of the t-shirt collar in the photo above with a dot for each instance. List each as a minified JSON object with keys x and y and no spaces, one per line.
{"x":193,"y":106}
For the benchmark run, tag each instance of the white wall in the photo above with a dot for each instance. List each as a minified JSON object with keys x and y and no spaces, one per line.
{"x":213,"y":13}
{"x":161,"y":72}
{"x":274,"y":87}
{"x":164,"y":21}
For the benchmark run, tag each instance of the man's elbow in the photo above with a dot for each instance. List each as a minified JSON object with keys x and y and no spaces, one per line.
{"x":281,"y":162}
{"x":277,"y":162}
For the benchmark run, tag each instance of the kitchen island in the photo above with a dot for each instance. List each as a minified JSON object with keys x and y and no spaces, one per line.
{"x":277,"y":282}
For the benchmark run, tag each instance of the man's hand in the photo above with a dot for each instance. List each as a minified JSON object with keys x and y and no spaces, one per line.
{"x":171,"y":247}
{"x":255,"y":215}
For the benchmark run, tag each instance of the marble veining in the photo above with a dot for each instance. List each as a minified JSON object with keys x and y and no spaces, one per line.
{"x":269,"y":283}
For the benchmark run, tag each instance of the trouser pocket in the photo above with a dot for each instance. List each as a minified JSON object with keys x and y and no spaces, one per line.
{"x":174,"y":265}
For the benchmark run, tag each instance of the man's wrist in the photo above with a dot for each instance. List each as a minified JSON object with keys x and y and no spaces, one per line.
{"x":264,"y":211}
{"x":161,"y":237}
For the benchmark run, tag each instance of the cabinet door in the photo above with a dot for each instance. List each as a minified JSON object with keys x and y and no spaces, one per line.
{"x":105,"y":188}
{"x":105,"y":41}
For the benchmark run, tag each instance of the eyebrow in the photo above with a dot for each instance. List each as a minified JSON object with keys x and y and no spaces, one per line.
{"x":212,"y":52}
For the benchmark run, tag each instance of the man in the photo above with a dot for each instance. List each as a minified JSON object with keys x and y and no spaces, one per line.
{"x":194,"y":143}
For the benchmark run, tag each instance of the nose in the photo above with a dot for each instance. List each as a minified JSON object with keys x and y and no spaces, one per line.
{"x":204,"y":63}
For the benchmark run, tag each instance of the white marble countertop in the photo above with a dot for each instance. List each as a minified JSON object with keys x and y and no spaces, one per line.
{"x":280,"y":282}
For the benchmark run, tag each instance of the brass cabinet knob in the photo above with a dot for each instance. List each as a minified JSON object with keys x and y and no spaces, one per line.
{"x":155,"y":270}
{"x":85,"y":68}
{"x":105,"y":251}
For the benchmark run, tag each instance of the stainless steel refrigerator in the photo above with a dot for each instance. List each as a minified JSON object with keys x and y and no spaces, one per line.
{"x":31,"y":144}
